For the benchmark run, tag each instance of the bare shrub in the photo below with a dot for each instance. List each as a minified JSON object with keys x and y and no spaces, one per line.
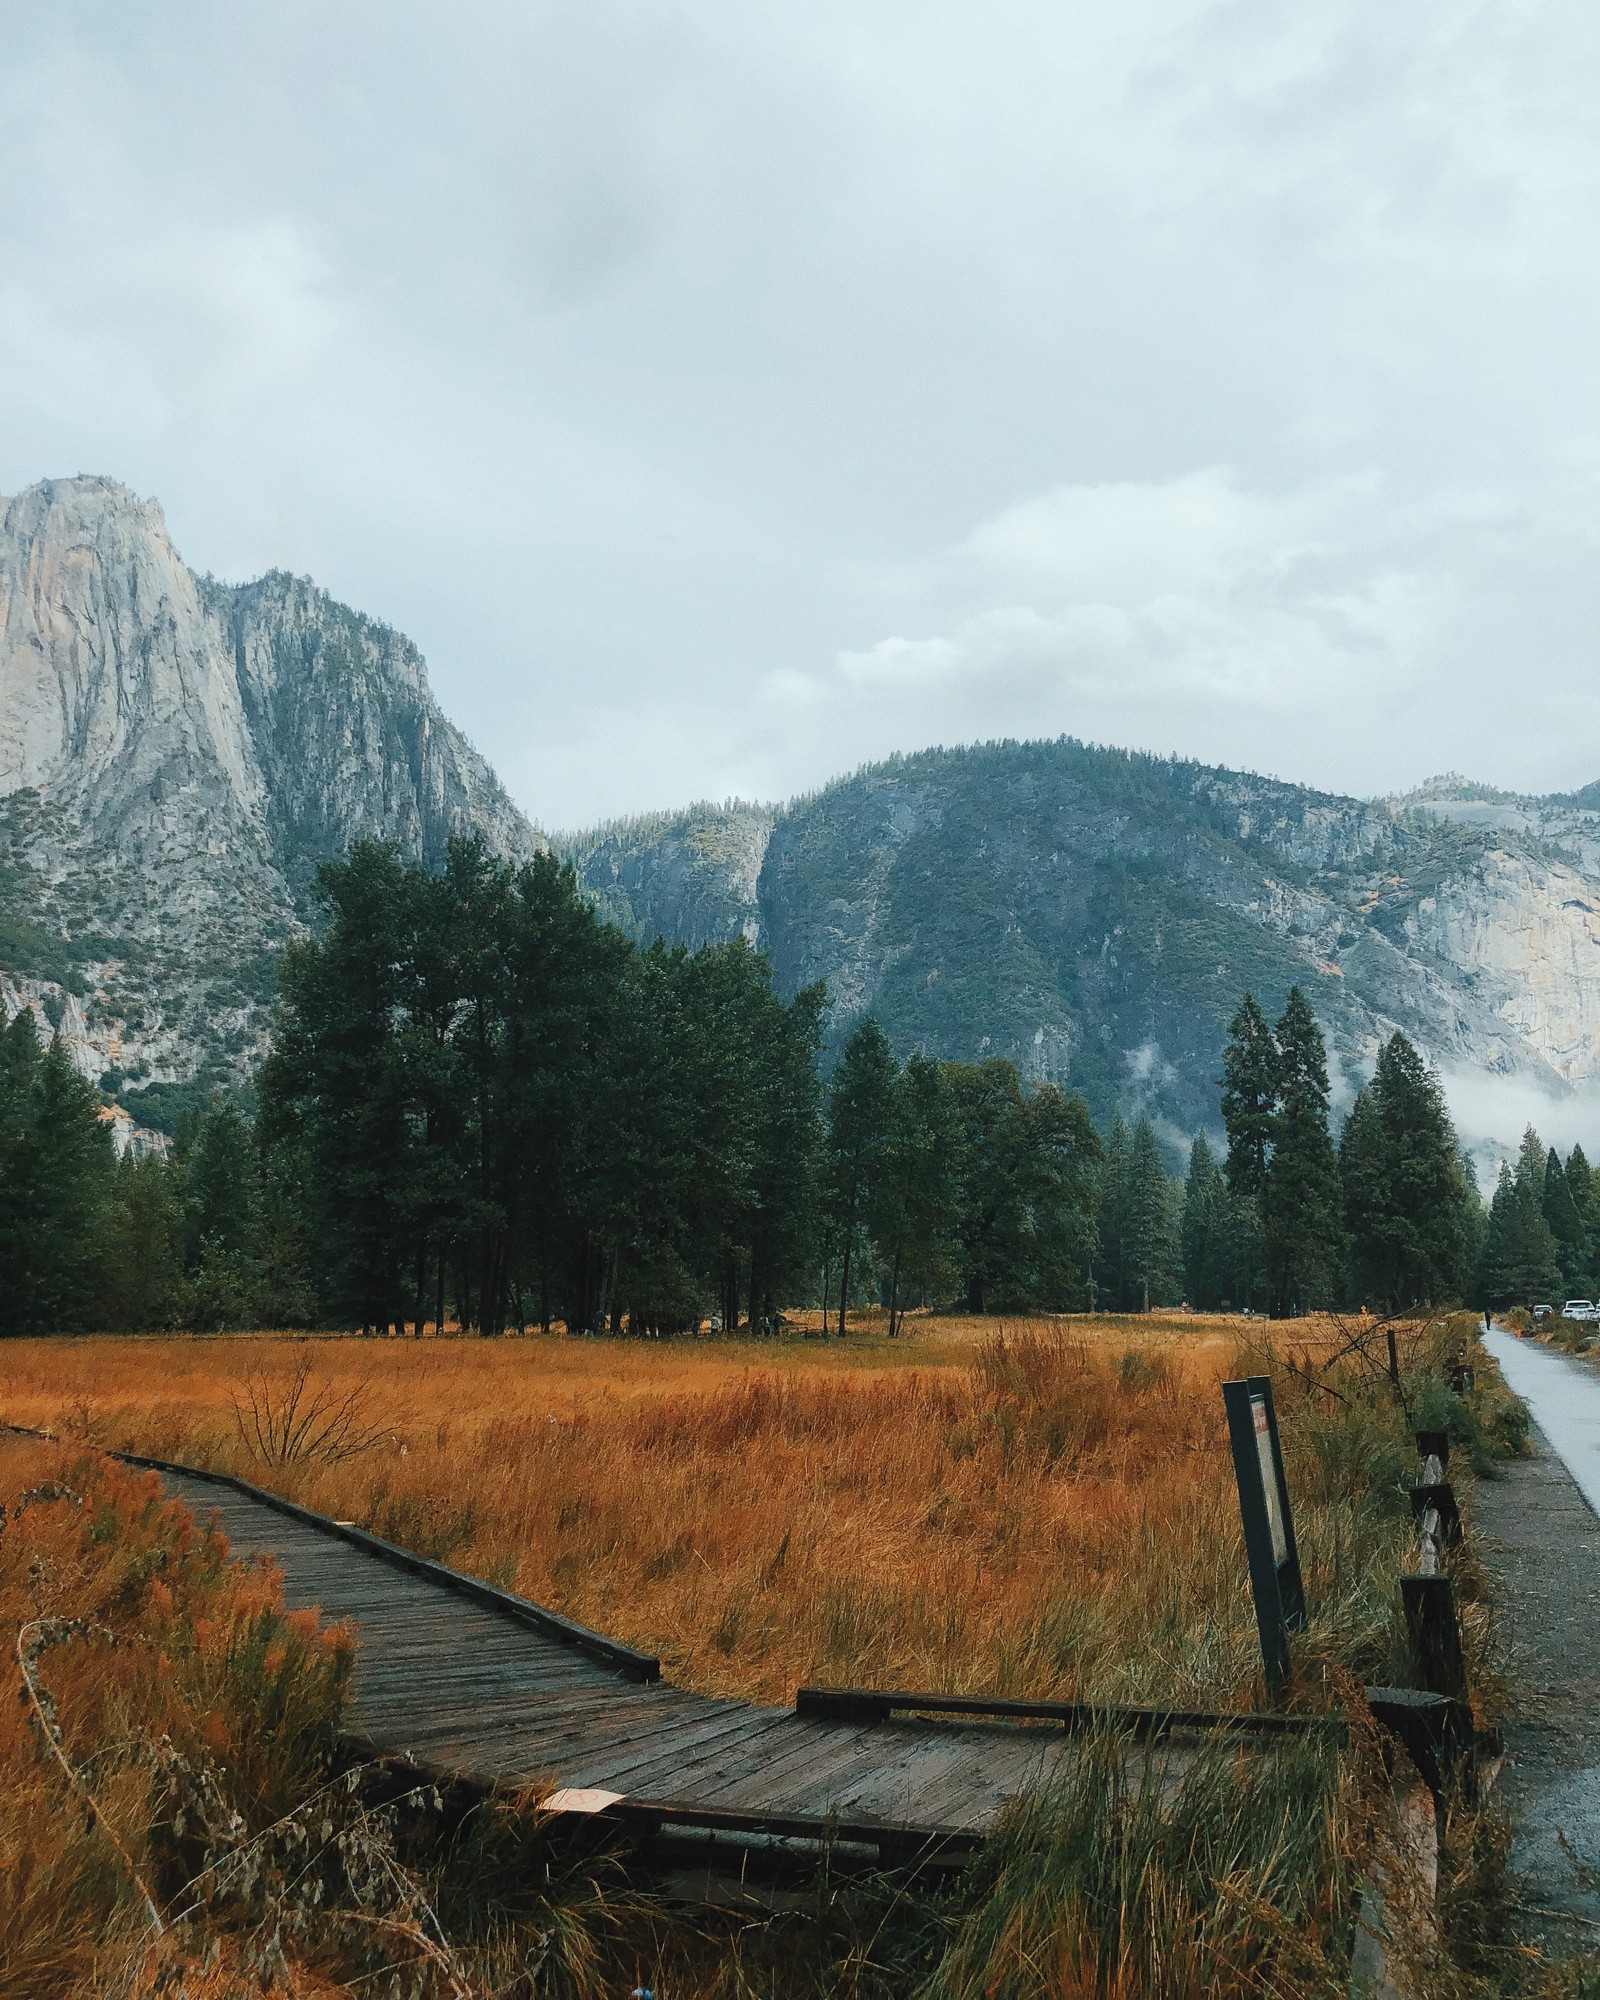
{"x":300,"y":1421}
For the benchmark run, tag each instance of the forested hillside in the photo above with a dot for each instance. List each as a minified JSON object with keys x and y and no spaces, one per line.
{"x":1095,"y":916}
{"x":486,"y":1107}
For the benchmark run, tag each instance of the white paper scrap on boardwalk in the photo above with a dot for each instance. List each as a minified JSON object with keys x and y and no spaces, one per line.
{"x":579,"y":1799}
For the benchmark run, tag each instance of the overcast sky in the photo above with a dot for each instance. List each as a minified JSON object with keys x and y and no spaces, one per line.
{"x":725,"y":394}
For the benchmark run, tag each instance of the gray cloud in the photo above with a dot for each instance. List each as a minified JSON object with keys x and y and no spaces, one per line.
{"x":721,"y":396}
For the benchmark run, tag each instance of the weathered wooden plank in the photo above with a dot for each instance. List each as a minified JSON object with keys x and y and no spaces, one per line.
{"x":512,"y":1749}
{"x":597,"y":1761}
{"x":619,"y":1742}
{"x":944,"y":1782}
{"x":448,"y":1662}
{"x":749,"y":1751}
{"x":804,"y":1767}
{"x":555,"y":1722}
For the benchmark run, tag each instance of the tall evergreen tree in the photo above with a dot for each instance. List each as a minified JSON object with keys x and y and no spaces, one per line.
{"x":914,"y":1207}
{"x":20,"y":1056}
{"x":144,"y":1282}
{"x":1408,"y":1207}
{"x":1567,"y":1226}
{"x":218,"y":1167}
{"x":787,"y":1165}
{"x":1519,"y":1264}
{"x":1115,"y":1255}
{"x":861,"y":1106}
{"x":1063,"y":1195}
{"x":1203,"y":1229}
{"x":1584,"y":1187}
{"x":1300,"y":1214}
{"x":1250,"y":1089}
{"x":57,"y":1167}
{"x":1151,"y":1249}
{"x":1028,"y":1191}
{"x":337,"y":1083}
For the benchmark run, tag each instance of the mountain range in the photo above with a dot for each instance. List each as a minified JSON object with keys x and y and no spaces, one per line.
{"x":178,"y":754}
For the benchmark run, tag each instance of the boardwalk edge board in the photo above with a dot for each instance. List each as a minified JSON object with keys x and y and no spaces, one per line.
{"x":878,"y":1704}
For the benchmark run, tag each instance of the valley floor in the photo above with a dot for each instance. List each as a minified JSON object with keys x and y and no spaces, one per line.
{"x":1005,"y":1507}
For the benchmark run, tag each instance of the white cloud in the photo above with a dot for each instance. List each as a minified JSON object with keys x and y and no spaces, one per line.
{"x":1491,"y":1114}
{"x":724,"y":396}
{"x":1185,"y":596}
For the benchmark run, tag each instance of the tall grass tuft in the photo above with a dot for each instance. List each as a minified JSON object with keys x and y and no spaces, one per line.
{"x":1132,"y":1880}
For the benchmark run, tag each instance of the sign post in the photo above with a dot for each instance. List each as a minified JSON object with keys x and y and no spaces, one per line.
{"x":1275,"y":1584}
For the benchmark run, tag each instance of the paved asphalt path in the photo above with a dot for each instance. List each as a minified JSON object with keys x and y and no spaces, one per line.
{"x":1540,"y":1527}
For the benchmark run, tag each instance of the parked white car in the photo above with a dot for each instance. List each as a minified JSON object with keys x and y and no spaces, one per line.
{"x":1579,"y":1309}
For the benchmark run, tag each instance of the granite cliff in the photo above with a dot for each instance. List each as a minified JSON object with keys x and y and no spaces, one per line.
{"x":1096,"y":914}
{"x":177,"y":755}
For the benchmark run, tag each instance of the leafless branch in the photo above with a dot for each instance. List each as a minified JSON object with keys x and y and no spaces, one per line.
{"x":301,"y":1421}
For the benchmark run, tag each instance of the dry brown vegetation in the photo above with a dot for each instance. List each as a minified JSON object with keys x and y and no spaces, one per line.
{"x":168,"y":1708}
{"x":1041,"y":1510}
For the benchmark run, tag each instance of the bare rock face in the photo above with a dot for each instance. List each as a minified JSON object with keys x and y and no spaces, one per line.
{"x":176,"y":756}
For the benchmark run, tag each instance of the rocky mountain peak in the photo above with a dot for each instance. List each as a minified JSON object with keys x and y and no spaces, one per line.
{"x":176,"y":756}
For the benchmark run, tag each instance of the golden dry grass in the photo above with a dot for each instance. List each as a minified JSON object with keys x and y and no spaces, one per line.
{"x":1019,"y":1509}
{"x":155,"y":1659}
{"x":1043,"y":1508}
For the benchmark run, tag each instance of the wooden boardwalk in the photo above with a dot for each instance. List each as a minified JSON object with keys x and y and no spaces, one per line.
{"x":470,"y":1683}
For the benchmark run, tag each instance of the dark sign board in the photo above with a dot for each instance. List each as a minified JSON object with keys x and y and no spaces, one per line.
{"x":1264,"y":1509}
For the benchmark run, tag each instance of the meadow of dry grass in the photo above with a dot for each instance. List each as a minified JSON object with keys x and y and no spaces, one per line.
{"x":1031,"y":1509}
{"x":1038,"y":1508}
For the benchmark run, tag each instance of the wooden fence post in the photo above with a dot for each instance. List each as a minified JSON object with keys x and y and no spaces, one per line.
{"x":1434,"y":1635}
{"x":1267,"y":1519}
{"x":1433,"y":1632}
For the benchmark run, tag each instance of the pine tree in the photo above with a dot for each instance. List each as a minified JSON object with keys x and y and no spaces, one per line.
{"x":1244,"y":1273}
{"x":1063,"y":1193}
{"x":1300,"y":1196}
{"x":337,"y":1084}
{"x":1518,"y":1264}
{"x":915,"y":1204}
{"x":1250,"y":1089}
{"x":1584,"y":1187}
{"x":1028,"y":1190}
{"x":1409,"y":1209}
{"x":69,"y":1164}
{"x":787,"y":1166}
{"x":20,"y":1056}
{"x":1151,"y":1253}
{"x":1567,"y":1226}
{"x":1114,"y":1263}
{"x":860,"y":1126}
{"x":144,"y":1281}
{"x":1203,"y":1229}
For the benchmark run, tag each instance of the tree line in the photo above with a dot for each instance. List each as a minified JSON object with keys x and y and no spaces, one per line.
{"x":485,"y":1106}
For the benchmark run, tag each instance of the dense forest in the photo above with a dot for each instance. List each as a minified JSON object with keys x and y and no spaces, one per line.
{"x":485,"y":1107}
